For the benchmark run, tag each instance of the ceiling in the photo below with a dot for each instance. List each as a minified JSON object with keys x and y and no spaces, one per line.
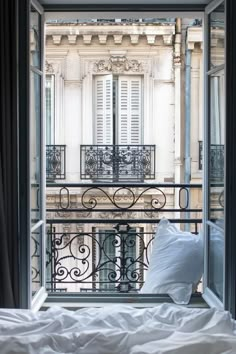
{"x":74,"y":9}
{"x":125,"y":2}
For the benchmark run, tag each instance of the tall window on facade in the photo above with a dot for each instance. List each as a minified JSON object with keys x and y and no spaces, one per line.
{"x":118,"y":110}
{"x":118,"y":133}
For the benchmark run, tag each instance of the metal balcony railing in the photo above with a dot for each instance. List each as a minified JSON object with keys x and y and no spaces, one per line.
{"x":117,"y":162}
{"x":55,"y":162}
{"x":216,"y":160}
{"x":99,"y":236}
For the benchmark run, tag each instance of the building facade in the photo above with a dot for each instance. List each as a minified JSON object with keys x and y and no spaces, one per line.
{"x":123,"y":105}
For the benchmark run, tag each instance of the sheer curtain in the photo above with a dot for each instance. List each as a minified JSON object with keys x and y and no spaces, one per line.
{"x":9,"y":254}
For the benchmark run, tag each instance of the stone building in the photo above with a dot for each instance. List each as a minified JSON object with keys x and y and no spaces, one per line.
{"x":123,"y":105}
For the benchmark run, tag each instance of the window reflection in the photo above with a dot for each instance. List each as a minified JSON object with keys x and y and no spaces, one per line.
{"x":216,"y":146}
{"x":217,"y":36}
{"x":35,"y":146}
{"x":216,"y":257}
{"x":34,"y":38}
{"x":36,"y":261}
{"x":50,"y":109}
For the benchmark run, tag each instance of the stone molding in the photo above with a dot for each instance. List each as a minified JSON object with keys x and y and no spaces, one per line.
{"x":118,"y":64}
{"x":87,"y":33}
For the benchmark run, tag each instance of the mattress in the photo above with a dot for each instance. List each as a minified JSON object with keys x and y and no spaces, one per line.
{"x":114,"y":329}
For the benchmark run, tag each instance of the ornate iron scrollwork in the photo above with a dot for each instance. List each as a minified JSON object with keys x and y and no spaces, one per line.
{"x":55,"y":162}
{"x":216,"y":161}
{"x":117,"y":162}
{"x":74,"y":261}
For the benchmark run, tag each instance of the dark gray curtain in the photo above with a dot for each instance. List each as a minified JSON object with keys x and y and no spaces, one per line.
{"x":9,"y":256}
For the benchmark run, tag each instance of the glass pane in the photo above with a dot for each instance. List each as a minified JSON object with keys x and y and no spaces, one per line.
{"x":216,"y":146}
{"x":36,"y":264}
{"x":216,"y":258}
{"x":217,"y":36}
{"x":35,"y":44}
{"x":35,"y":146}
{"x":50,"y":104}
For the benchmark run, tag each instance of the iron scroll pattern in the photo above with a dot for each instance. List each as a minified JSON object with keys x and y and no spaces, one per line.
{"x":216,"y":161}
{"x":122,"y":198}
{"x":36,"y":253}
{"x":85,"y":263}
{"x":116,"y":198}
{"x":117,"y":162}
{"x":100,"y":235}
{"x":55,"y":162}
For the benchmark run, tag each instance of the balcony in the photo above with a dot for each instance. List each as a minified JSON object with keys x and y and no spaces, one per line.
{"x":117,"y":162}
{"x":99,"y":236}
{"x":55,"y":162}
{"x":216,"y":159}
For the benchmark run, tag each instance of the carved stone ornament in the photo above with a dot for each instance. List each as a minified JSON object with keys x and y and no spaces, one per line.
{"x":62,"y":214}
{"x":49,"y":67}
{"x":118,"y":215}
{"x":118,"y":64}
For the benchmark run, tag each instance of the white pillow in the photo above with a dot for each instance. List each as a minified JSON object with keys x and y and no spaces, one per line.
{"x":176,"y":263}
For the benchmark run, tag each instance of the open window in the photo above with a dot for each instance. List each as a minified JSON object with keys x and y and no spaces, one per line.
{"x":214,"y":181}
{"x":37,"y":290}
{"x":111,"y":114}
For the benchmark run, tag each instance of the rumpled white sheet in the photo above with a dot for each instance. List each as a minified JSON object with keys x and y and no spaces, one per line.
{"x":118,"y":329}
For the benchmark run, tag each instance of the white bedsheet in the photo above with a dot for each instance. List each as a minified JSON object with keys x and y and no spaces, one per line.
{"x":117,"y":329}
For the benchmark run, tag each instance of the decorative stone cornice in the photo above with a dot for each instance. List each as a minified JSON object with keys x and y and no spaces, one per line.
{"x":72,"y":38}
{"x":87,"y":33}
{"x":87,"y":38}
{"x":102,"y":38}
{"x":56,"y":39}
{"x":118,"y":64}
{"x":195,"y":35}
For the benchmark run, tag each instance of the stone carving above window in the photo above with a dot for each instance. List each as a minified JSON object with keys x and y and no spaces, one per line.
{"x":118,"y":64}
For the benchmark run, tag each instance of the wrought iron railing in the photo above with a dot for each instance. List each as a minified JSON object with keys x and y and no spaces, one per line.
{"x":117,"y":162}
{"x":100,"y":236}
{"x":216,"y":160}
{"x":55,"y":162}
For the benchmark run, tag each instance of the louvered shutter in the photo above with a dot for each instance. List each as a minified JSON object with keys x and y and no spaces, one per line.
{"x":103,"y":110}
{"x":129,"y":110}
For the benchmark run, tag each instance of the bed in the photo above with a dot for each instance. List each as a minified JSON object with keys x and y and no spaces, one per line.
{"x":167,"y":328}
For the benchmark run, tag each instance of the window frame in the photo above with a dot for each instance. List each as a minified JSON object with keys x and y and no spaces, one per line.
{"x":23,"y":98}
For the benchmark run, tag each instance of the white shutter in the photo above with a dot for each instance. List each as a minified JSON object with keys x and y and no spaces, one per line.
{"x":103,"y":110}
{"x":130,"y":110}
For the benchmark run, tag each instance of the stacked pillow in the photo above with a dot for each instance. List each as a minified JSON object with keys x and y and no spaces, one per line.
{"x":176,"y":263}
